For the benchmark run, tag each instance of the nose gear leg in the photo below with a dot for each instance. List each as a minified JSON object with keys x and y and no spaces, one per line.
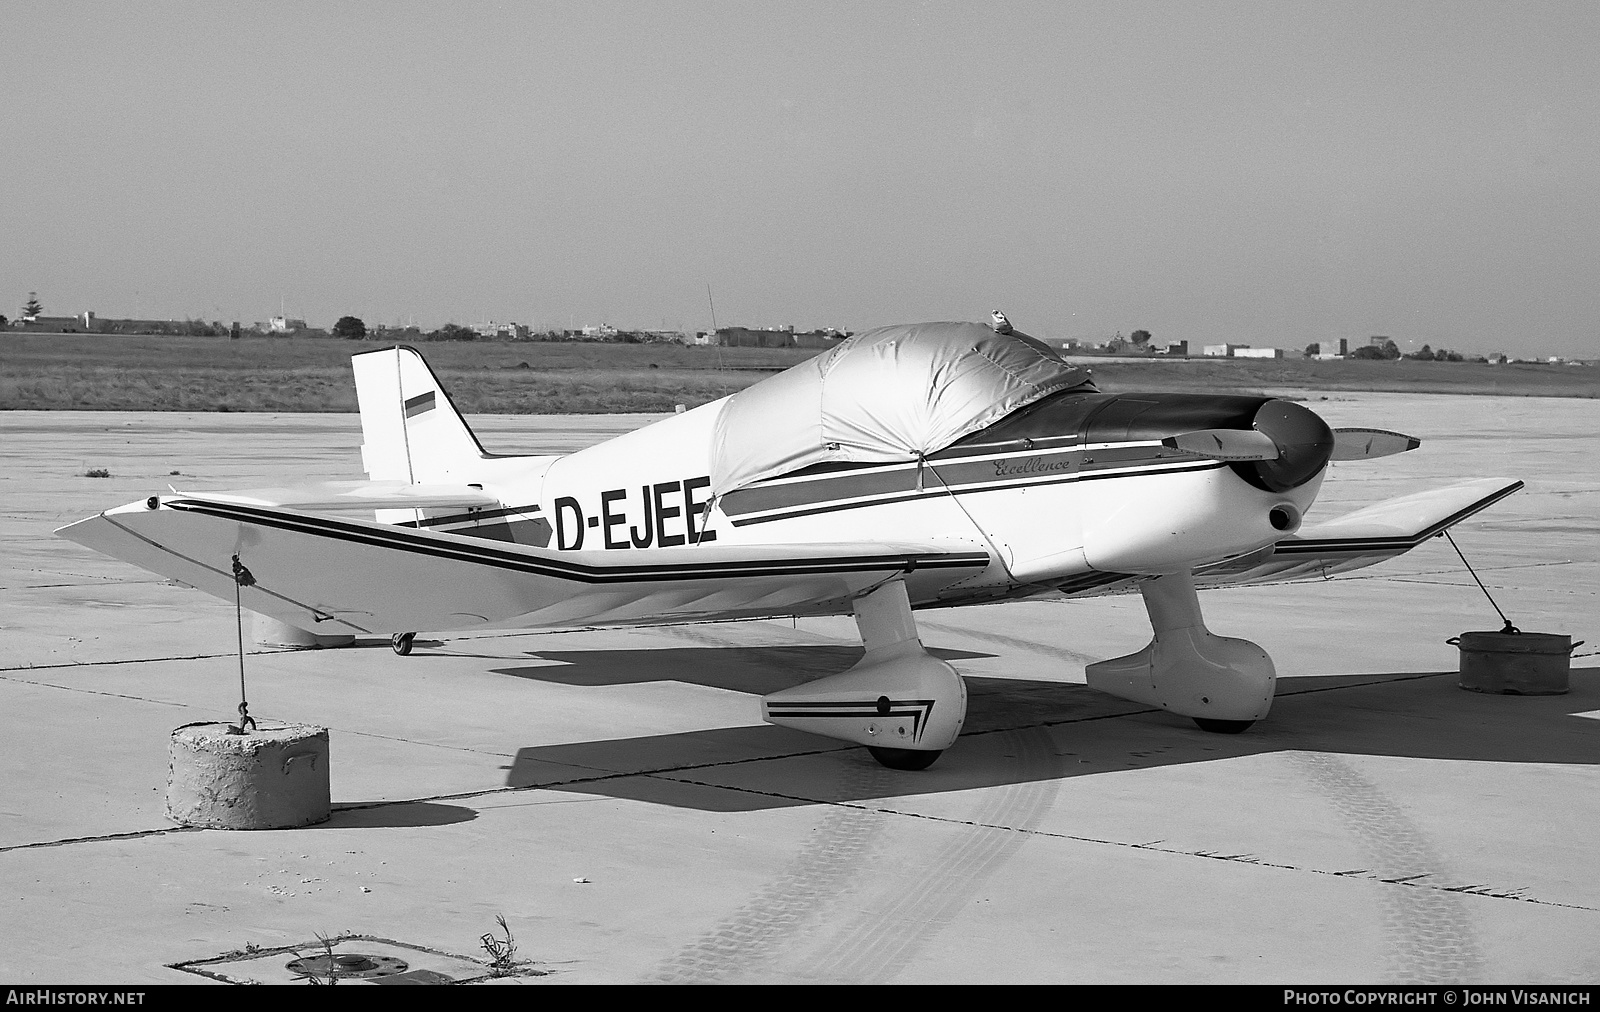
{"x":1224,"y":683}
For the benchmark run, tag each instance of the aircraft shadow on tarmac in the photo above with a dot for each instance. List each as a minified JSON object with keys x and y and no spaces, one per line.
{"x":1021,"y":731}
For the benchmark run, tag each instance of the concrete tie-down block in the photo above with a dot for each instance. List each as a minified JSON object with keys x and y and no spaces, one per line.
{"x":274,"y":777}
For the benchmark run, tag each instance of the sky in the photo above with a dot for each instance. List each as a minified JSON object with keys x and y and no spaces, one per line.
{"x":1257,"y":173}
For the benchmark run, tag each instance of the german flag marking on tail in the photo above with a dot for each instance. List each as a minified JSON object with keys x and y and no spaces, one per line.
{"x":418,"y":404}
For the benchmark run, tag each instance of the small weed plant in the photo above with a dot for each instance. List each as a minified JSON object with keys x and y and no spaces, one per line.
{"x":502,"y":952}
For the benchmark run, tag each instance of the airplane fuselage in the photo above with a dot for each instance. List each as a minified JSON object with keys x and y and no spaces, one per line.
{"x":1064,"y":495}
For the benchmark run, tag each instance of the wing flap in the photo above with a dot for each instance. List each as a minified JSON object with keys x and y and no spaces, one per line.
{"x":366,"y":577}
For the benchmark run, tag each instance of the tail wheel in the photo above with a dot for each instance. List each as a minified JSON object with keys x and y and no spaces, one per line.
{"x":905,"y":758}
{"x":1223,"y":726}
{"x":402,"y":642}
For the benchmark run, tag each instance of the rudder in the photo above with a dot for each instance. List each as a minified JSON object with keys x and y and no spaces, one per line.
{"x":411,"y":431}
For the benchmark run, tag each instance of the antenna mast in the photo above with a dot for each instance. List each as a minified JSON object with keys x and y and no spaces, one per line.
{"x":714,"y":324}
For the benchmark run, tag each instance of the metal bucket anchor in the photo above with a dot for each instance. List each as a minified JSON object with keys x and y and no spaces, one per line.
{"x":1515,"y":663}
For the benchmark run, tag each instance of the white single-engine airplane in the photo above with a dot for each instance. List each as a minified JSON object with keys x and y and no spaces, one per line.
{"x":908,"y":467}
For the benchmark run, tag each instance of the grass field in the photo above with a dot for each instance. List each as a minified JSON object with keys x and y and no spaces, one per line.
{"x":137,"y":373}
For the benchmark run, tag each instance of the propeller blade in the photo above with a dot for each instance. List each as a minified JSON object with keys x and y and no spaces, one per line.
{"x":1225,"y":444}
{"x":1364,"y":444}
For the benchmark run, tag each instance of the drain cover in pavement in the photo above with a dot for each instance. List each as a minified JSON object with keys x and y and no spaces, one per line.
{"x":371,"y":960}
{"x":346,"y":964}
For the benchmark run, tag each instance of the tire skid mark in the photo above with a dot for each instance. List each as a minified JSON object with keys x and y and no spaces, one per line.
{"x":1431,"y":935}
{"x":753,"y":936}
{"x":921,"y":901}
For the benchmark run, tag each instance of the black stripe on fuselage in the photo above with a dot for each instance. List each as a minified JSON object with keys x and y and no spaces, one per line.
{"x":398,"y":539}
{"x":1024,"y":467}
{"x":933,"y":488}
{"x":467,"y":517}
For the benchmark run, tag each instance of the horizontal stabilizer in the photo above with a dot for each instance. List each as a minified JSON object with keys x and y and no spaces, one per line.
{"x":354,"y":495}
{"x":344,"y":575}
{"x":1365,"y":444}
{"x":1362,"y":538}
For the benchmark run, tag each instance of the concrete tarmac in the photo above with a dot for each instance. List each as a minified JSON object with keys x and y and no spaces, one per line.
{"x":616,"y":797}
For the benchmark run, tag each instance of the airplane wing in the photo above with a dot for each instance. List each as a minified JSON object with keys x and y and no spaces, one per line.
{"x":1359,"y":539}
{"x":347,"y":575}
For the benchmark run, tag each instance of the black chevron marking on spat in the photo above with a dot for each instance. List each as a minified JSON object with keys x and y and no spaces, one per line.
{"x":919,"y":710}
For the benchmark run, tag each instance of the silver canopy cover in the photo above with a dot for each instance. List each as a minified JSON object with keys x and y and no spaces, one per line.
{"x":892,"y":394}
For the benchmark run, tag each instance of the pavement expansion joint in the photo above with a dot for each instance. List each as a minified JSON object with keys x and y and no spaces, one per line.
{"x":137,"y":834}
{"x":127,"y":660}
{"x":600,"y":777}
{"x":92,"y":692}
{"x":1411,"y":881}
{"x":428,"y":744}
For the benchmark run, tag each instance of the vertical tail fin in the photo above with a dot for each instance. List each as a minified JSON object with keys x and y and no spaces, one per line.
{"x":410,"y":429}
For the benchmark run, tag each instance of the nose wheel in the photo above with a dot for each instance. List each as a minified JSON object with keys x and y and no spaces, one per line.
{"x":1223,"y":726}
{"x":401,"y":642}
{"x":904,"y":758}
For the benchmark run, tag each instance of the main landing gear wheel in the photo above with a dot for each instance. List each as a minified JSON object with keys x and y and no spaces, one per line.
{"x":905,"y":758}
{"x":402,"y":642}
{"x":1222,"y":726}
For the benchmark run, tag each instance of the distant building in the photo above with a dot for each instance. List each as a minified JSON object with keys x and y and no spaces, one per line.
{"x":1221,"y":350}
{"x":1177,"y":349}
{"x":1343,"y":351}
{"x":777,"y":337}
{"x":1378,"y":340}
{"x":88,"y":323}
{"x":501,"y":331}
{"x":1257,"y":353}
{"x":83,"y":324}
{"x":285,"y":325}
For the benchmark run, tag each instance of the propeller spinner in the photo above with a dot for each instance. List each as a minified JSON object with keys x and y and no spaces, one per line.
{"x":1286,"y":446}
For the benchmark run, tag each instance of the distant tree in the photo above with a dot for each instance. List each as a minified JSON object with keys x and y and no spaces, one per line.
{"x":1313,"y":349}
{"x":4,"y":323}
{"x":1141,"y":339}
{"x":32,"y":308}
{"x":453,"y":332}
{"x":351,"y":327}
{"x":1425,"y":355}
{"x":1387,"y":351}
